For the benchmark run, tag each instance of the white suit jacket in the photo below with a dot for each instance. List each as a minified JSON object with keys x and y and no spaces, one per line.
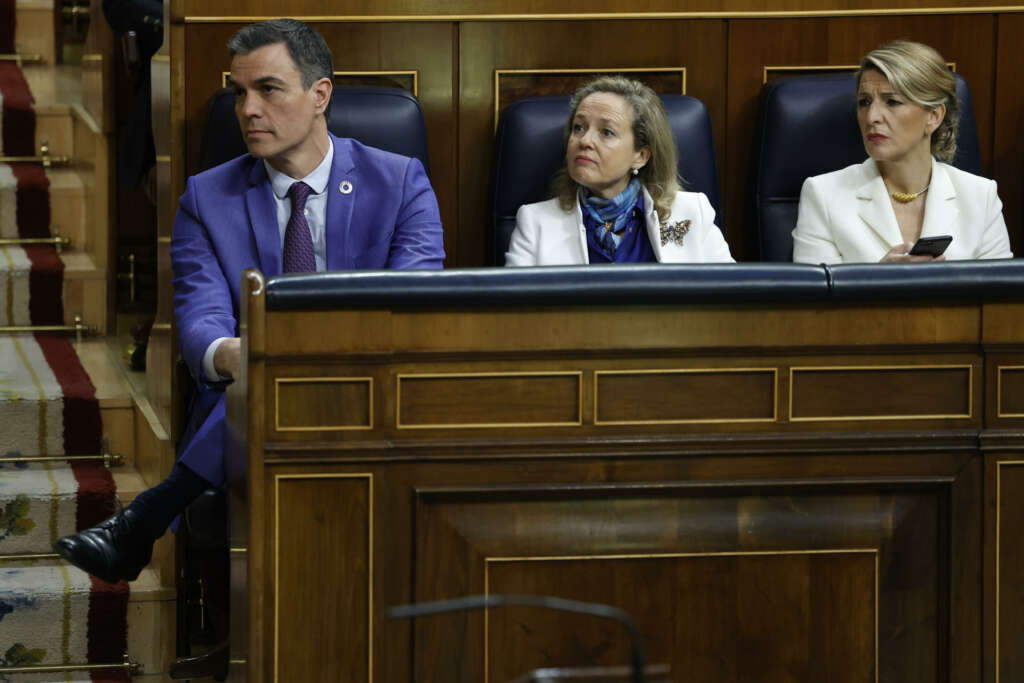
{"x":545,"y":235}
{"x":846,"y":216}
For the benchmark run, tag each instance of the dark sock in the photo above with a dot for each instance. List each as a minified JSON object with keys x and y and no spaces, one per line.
{"x":156,"y":508}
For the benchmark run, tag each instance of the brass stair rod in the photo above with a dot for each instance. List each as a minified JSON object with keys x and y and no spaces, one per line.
{"x":109,"y":459}
{"x":21,"y":59}
{"x":126,"y":665}
{"x":78,"y":328}
{"x":44,"y":157}
{"x":27,"y":557}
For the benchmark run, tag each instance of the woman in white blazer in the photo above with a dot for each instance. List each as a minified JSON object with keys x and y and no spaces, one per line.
{"x":617,"y":198}
{"x":875,"y":211}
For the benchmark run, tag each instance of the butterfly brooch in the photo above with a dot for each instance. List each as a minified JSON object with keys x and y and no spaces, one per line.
{"x":674,"y":232}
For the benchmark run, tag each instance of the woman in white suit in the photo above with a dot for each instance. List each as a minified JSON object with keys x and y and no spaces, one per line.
{"x":617,"y":198}
{"x":908,"y":114}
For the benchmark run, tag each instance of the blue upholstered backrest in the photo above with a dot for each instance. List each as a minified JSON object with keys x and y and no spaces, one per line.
{"x":386,"y":118}
{"x":529,"y":149}
{"x":808,"y":126}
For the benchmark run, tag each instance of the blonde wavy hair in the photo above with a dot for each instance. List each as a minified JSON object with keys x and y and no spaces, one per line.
{"x":650,"y":129}
{"x":919,"y":73}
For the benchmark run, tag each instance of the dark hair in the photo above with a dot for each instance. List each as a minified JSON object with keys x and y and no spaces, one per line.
{"x":650,"y":129}
{"x":306,"y":47}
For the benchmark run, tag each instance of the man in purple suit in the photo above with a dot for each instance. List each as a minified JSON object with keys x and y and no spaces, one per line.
{"x":300,"y":200}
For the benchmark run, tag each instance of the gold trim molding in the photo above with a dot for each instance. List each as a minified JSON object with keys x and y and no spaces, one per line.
{"x":696,"y":371}
{"x":278,"y":478}
{"x":590,"y":16}
{"x":658,"y":556}
{"x":999,"y":390}
{"x":578,"y":374}
{"x":406,"y":72}
{"x":821,"y":67}
{"x":872,"y":368}
{"x":498,"y":73}
{"x":278,"y":381}
{"x":999,"y":481}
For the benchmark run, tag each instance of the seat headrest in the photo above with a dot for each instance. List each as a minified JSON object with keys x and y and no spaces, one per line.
{"x":808,"y":126}
{"x":530,"y":148}
{"x":386,"y":118}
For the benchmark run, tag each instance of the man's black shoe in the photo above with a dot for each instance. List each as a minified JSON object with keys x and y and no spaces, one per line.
{"x":113,"y":550}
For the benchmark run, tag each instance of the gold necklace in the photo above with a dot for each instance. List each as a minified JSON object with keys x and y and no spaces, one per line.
{"x":906,"y":197}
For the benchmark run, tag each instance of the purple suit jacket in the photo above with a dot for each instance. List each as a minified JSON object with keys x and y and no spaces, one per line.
{"x":227,"y":222}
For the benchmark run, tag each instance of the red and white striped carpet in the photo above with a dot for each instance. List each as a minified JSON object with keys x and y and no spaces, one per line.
{"x":50,"y":613}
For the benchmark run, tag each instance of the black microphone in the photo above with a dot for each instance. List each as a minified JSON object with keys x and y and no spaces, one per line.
{"x":422,"y":609}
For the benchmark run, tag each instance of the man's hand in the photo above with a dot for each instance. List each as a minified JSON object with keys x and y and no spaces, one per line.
{"x":227,"y":359}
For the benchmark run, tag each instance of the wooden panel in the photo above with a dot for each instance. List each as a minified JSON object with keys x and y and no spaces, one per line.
{"x":1008,"y":138}
{"x":711,"y":575}
{"x":323,"y":564}
{"x":323,"y":403}
{"x":1009,"y":571}
{"x":765,"y":617}
{"x":1010,"y":390}
{"x":835,"y":41}
{"x":425,"y":47}
{"x":525,"y":399}
{"x":319,"y":8}
{"x":679,"y":396}
{"x":699,"y":46}
{"x":883,"y":393}
{"x":511,"y":85}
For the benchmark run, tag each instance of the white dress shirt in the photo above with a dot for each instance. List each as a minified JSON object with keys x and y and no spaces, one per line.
{"x":316,"y":217}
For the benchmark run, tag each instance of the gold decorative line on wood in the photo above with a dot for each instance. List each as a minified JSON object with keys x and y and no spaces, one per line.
{"x":161,"y":326}
{"x":278,"y":478}
{"x":822,"y":67}
{"x":872,"y":368}
{"x":698,"y":371}
{"x":278,"y":381}
{"x":163,"y":158}
{"x":658,"y":556}
{"x":410,"y":72}
{"x":498,"y":73}
{"x":999,"y":390}
{"x":999,"y":481}
{"x":490,"y":425}
{"x":590,"y":16}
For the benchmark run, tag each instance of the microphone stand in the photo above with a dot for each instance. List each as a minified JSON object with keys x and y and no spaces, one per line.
{"x":468,"y":602}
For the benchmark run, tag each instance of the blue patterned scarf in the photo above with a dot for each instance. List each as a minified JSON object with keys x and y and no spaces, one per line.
{"x":610,"y":215}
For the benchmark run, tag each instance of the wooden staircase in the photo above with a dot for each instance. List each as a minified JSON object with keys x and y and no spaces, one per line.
{"x":73,"y":104}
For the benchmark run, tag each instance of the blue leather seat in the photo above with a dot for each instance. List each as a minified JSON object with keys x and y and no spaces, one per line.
{"x":808,"y":126}
{"x":530,"y":148}
{"x":386,"y":118}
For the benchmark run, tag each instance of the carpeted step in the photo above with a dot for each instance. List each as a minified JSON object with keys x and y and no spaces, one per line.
{"x":40,"y":502}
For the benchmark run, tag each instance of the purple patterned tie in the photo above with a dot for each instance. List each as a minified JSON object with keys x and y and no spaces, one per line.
{"x":298,"y":244}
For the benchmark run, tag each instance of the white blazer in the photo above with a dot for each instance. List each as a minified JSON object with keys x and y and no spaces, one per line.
{"x":846,"y":216}
{"x":545,"y":235}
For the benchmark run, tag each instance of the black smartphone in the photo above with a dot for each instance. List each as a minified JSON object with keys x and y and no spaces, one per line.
{"x":931,"y":246}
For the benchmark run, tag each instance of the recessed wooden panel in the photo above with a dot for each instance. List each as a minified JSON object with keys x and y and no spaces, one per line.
{"x":303,"y":404}
{"x":785,"y":576}
{"x":323,"y":564}
{"x":880,"y":393}
{"x":527,"y":399}
{"x":680,"y":396}
{"x":512,"y":84}
{"x":764,"y":617}
{"x":1009,"y":571}
{"x":1010,"y":387}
